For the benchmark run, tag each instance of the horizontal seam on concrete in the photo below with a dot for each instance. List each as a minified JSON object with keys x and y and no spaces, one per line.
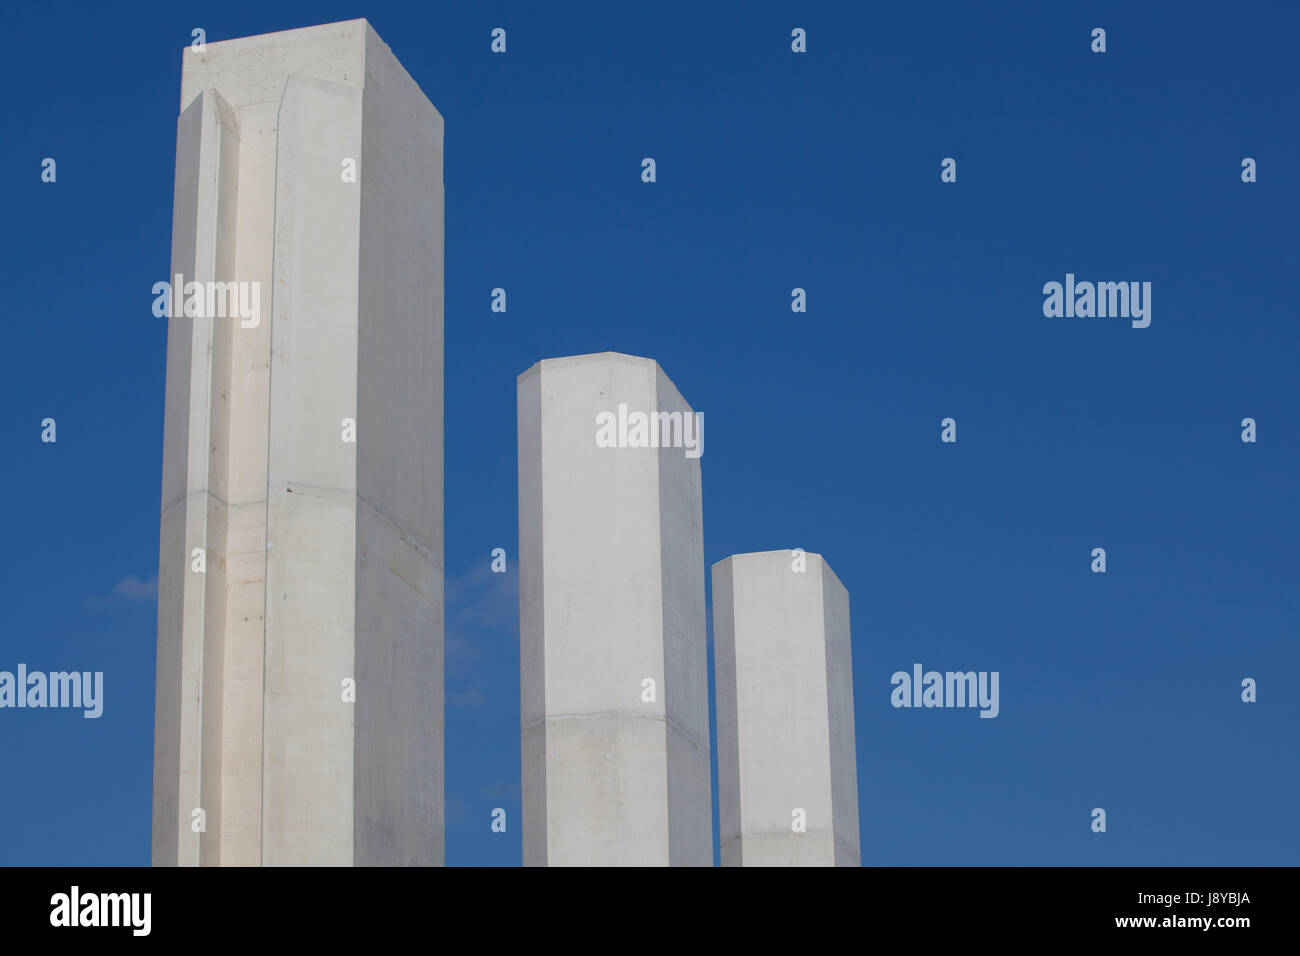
{"x":321,"y":490}
{"x":623,"y":713}
{"x":213,"y":495}
{"x":254,"y":502}
{"x":772,"y":834}
{"x":690,"y":738}
{"x":849,"y":847}
{"x":597,"y":713}
{"x":309,"y":489}
{"x":407,"y":536}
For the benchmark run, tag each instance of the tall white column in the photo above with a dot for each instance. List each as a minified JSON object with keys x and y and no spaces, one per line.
{"x":299,"y":707}
{"x":613,"y":665}
{"x":787,"y":760}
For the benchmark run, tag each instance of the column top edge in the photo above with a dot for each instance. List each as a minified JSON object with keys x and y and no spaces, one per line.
{"x":589,"y":358}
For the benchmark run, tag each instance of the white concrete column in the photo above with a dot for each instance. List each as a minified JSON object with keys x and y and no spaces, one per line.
{"x":308,"y":175}
{"x":613,"y":666}
{"x":787,"y":761}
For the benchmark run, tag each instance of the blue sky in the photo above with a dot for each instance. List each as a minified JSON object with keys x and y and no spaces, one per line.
{"x":775,"y":170}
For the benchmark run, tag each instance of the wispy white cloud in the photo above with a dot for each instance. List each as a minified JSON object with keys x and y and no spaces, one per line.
{"x":483,"y":598}
{"x":501,"y":792}
{"x":471,"y":696}
{"x":482,"y":613}
{"x":131,"y":588}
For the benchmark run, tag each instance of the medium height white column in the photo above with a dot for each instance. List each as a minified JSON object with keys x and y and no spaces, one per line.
{"x":613,"y":661}
{"x":299,"y":707}
{"x":787,"y":761}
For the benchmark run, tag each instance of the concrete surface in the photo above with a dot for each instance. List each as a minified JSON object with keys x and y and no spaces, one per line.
{"x":784,"y":679}
{"x":611,"y":595}
{"x":324,"y":558}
